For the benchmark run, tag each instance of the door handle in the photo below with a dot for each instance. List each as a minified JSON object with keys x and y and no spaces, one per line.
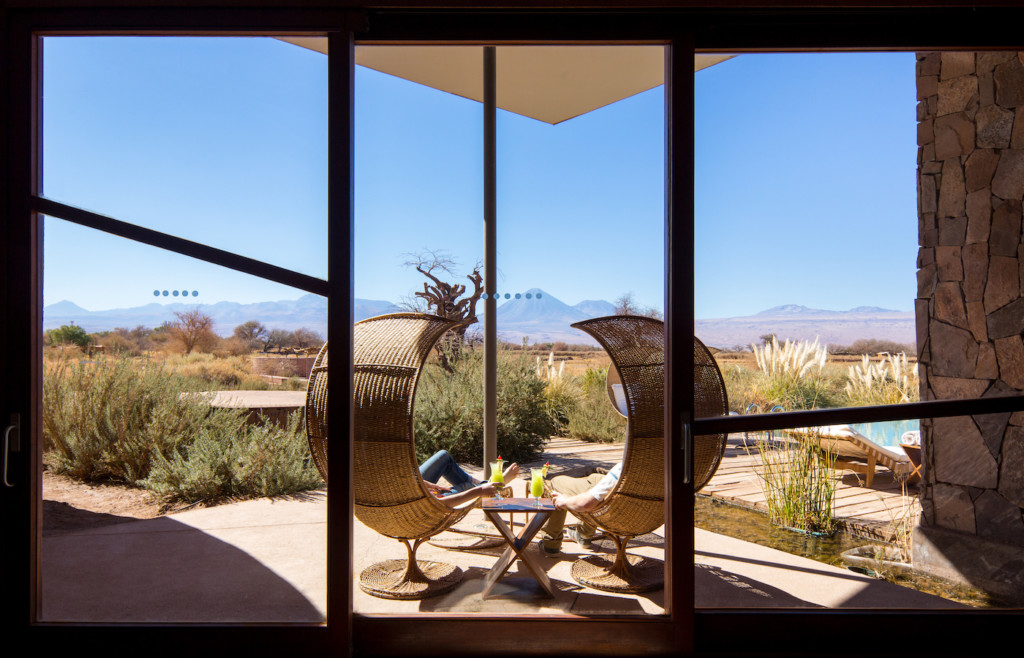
{"x":11,"y":445}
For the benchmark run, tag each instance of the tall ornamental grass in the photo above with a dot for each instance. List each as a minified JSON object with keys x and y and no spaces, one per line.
{"x":593,"y":418}
{"x":140,"y":423}
{"x":799,"y":483}
{"x":562,"y":393}
{"x":792,"y":375}
{"x":890,"y":381}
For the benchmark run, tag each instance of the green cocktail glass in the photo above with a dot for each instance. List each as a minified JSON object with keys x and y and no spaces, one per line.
{"x":537,"y":485}
{"x":497,"y":476}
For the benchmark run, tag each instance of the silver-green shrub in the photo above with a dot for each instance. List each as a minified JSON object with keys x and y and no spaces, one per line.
{"x":143,"y":424}
{"x":449,"y":409}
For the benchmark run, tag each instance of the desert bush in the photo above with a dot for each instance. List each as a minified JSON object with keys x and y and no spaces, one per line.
{"x":106,"y":421}
{"x":593,"y":418}
{"x":449,"y":409}
{"x":211,"y":371}
{"x":142,"y":423}
{"x":119,"y":345}
{"x":229,"y":458}
{"x":871,"y":346}
{"x":68,"y":334}
{"x":227,"y":347}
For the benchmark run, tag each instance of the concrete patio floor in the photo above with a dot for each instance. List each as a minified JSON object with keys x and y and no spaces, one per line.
{"x":265,"y":561}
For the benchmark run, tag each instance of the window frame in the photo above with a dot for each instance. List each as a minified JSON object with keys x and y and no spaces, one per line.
{"x":696,"y":26}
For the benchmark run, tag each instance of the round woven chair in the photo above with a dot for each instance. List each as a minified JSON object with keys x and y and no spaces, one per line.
{"x":636,"y":505}
{"x":390,"y":496}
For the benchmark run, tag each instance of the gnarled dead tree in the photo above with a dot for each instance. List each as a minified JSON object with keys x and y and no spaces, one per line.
{"x":447,"y":300}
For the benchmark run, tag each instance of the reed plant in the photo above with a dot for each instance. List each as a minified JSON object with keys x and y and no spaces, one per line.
{"x":798,"y":482}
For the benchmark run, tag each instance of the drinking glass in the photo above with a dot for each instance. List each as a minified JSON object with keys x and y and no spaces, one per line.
{"x":498,"y":477}
{"x":537,"y":485}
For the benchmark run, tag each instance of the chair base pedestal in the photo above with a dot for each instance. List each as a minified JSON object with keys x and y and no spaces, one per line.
{"x":643,"y":574}
{"x":400,"y":579}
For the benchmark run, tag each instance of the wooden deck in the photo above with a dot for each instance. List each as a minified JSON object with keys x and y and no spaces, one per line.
{"x":869,"y":512}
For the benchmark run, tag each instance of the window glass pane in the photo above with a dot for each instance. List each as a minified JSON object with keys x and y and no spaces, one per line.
{"x":217,"y":140}
{"x":177,"y":479}
{"x":567,"y":194}
{"x":847,"y":254}
{"x":581,"y":227}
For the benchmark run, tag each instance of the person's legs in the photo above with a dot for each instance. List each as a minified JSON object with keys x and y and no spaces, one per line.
{"x":551,"y":532}
{"x":442,"y":464}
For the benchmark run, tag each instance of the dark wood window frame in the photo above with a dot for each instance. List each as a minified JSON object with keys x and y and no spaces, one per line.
{"x":888,"y":26}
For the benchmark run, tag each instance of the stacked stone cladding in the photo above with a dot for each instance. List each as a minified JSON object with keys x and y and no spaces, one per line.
{"x":970,"y":306}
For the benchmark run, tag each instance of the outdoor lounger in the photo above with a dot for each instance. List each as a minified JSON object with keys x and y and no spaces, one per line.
{"x":855,"y":452}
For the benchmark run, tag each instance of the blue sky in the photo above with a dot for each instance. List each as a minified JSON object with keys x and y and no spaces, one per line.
{"x":805,"y":178}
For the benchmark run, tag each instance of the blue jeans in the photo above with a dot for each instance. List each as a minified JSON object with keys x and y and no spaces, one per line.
{"x":444,"y":465}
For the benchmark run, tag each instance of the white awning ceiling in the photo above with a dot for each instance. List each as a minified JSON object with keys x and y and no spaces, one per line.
{"x":547,"y":83}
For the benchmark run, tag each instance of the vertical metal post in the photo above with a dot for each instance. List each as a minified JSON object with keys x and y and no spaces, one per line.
{"x":490,"y":259}
{"x":679,"y":232}
{"x":340,"y":277}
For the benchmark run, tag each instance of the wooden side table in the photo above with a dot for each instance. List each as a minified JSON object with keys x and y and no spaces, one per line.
{"x":517,"y":545}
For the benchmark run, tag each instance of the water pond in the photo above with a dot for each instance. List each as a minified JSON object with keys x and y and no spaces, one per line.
{"x":752,"y":526}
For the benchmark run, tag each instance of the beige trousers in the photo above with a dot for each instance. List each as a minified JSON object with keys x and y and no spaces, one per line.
{"x":551,"y":533}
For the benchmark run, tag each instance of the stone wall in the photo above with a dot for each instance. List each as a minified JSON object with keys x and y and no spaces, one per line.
{"x":970,"y":307}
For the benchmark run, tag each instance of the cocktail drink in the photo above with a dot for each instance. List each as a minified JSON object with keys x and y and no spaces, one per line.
{"x":537,"y":485}
{"x":497,"y":476}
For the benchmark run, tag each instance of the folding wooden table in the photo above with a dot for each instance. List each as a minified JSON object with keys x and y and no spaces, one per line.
{"x":517,"y":545}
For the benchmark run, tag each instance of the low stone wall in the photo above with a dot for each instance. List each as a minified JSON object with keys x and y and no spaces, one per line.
{"x":283,"y":366}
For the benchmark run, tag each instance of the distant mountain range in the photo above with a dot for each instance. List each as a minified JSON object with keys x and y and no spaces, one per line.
{"x":803,"y":323}
{"x":535,"y":314}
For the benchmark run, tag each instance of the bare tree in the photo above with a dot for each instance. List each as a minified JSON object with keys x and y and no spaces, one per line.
{"x":447,"y":299}
{"x":193,"y":328}
{"x":626,"y":305}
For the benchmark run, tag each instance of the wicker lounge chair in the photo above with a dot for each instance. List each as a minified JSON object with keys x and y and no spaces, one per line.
{"x":390,"y":496}
{"x":855,"y":452}
{"x":636,"y":505}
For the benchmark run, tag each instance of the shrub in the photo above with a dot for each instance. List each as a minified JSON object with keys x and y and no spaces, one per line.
{"x":211,"y":371}
{"x":106,"y":422}
{"x":593,"y":418}
{"x":68,"y":334}
{"x":229,"y":458}
{"x":449,"y":409}
{"x":140,"y":423}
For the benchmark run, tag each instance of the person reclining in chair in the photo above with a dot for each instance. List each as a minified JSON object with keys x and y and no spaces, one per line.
{"x":463,"y":487}
{"x":575,"y":495}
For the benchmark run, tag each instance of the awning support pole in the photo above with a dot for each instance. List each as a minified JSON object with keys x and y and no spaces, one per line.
{"x":490,"y":261}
